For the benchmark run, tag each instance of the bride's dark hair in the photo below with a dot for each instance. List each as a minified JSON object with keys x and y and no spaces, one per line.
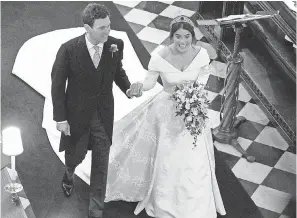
{"x":185,"y":26}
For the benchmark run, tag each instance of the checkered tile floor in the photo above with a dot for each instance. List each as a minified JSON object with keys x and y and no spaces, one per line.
{"x":270,"y":181}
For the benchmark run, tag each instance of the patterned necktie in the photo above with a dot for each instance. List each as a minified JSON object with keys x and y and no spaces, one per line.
{"x":96,"y":58}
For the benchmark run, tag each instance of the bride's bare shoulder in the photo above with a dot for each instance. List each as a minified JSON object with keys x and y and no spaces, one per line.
{"x":164,"y":52}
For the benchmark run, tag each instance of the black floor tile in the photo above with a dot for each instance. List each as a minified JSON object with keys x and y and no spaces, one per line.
{"x":216,"y":103}
{"x":250,"y":187}
{"x":265,"y":154}
{"x":250,"y":130}
{"x":268,"y":213}
{"x":292,"y":149}
{"x":136,"y":27}
{"x":123,"y":9}
{"x":231,"y":160}
{"x":152,"y":6}
{"x":190,"y":5}
{"x":290,"y":210}
{"x":149,"y":45}
{"x":281,"y":180}
{"x":216,"y":84}
{"x":161,"y":23}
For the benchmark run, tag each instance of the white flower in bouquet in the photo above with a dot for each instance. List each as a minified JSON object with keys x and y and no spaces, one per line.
{"x":189,"y":118}
{"x":182,"y":98}
{"x":195,"y":112}
{"x":204,"y":110}
{"x":194,"y":97}
{"x":200,"y":120}
{"x":188,"y":106}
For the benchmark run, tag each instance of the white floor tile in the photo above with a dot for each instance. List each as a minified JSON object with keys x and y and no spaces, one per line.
{"x":217,"y":31}
{"x":243,"y":94}
{"x":270,"y":136}
{"x":140,"y":17}
{"x":222,"y":91}
{"x":25,"y":202}
{"x":284,"y":216}
{"x":173,"y":11}
{"x":253,"y":172}
{"x":220,"y":69}
{"x":130,"y":4}
{"x":245,"y":143}
{"x":254,"y":113}
{"x":13,"y":174}
{"x":271,"y":199}
{"x":214,"y":118}
{"x":167,"y":2}
{"x":153,"y":35}
{"x":211,"y":95}
{"x":287,"y":162}
{"x":157,"y":49}
{"x":198,"y":33}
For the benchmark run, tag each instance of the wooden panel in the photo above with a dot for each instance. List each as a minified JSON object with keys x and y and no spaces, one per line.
{"x":287,"y":19}
{"x":273,"y":38}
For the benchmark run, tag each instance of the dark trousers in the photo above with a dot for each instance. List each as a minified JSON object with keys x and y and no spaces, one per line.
{"x":100,"y":158}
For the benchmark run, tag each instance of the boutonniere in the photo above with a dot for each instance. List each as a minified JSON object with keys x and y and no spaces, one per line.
{"x":113,"y":48}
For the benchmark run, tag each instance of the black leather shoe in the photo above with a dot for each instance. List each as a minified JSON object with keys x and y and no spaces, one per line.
{"x":67,"y":185}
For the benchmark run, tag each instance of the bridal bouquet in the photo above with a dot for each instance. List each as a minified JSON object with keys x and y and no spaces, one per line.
{"x":192,"y":103}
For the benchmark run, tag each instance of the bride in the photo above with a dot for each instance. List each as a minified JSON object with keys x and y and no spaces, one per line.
{"x":152,"y":159}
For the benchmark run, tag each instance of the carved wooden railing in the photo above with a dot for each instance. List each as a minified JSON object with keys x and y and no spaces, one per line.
{"x":224,"y":52}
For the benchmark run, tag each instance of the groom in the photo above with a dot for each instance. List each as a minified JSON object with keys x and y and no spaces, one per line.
{"x":84,"y":111}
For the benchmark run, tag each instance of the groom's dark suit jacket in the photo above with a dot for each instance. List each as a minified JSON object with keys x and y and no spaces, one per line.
{"x":88,"y":88}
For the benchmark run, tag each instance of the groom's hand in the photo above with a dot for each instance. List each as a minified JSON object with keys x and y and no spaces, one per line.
{"x":63,"y":127}
{"x":135,"y":89}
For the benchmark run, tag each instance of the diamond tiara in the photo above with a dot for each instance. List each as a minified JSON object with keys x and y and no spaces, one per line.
{"x":182,"y":18}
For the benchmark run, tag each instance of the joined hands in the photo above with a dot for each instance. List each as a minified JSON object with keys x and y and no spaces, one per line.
{"x":135,"y":90}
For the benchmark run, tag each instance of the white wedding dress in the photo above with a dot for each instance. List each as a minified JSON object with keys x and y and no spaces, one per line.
{"x":152,"y":159}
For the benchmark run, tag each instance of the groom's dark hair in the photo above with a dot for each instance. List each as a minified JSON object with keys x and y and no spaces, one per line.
{"x":94,"y":11}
